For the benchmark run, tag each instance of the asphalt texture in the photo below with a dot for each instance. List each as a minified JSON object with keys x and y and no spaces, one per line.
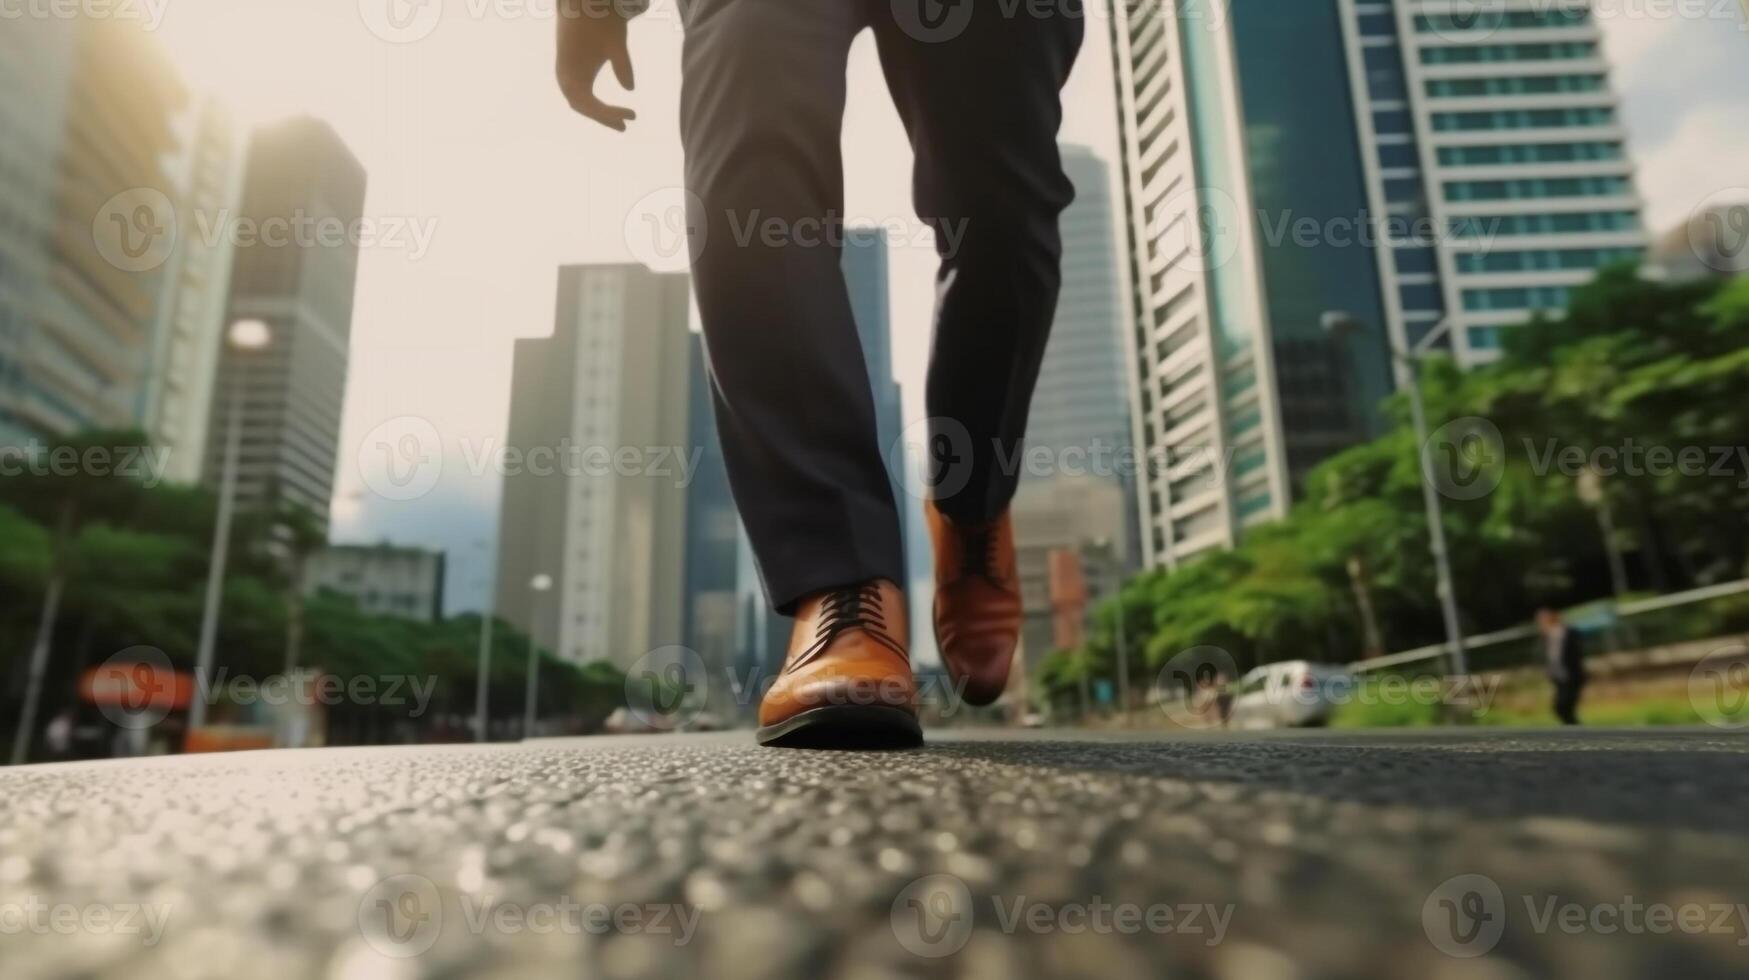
{"x":1588,"y":854}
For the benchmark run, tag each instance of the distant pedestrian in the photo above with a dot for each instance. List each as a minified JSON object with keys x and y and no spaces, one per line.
{"x":58,"y":737}
{"x":1564,"y":657}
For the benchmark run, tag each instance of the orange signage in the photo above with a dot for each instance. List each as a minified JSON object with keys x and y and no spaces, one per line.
{"x":137,"y":687}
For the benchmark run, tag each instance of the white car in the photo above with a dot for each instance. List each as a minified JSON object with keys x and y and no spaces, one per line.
{"x":1289,"y":694}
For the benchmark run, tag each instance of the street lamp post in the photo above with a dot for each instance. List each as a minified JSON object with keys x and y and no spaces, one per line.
{"x":1337,"y":324}
{"x":482,"y":714}
{"x":244,"y":336}
{"x":540,"y":584}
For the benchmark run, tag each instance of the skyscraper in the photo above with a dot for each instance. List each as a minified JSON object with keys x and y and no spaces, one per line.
{"x":1082,"y":403}
{"x":594,"y":496}
{"x":191,"y":316}
{"x":1498,"y":129}
{"x":1080,"y":409}
{"x":1274,"y":160}
{"x":712,"y":533}
{"x":298,"y":174}
{"x":865,"y":265}
{"x":86,"y":213}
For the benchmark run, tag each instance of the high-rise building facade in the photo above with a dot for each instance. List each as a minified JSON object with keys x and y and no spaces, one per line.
{"x":597,"y":503}
{"x":1077,"y":491}
{"x":299,"y":174}
{"x":191,"y":316}
{"x":1497,"y":128}
{"x":1081,"y":403}
{"x":866,"y":263}
{"x":712,"y":533}
{"x":1411,"y":164}
{"x":85,"y":213}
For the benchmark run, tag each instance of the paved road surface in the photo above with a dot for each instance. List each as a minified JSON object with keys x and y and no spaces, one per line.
{"x":1592,"y":854}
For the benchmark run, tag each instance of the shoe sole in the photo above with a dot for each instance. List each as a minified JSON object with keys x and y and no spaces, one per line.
{"x":845,"y":726}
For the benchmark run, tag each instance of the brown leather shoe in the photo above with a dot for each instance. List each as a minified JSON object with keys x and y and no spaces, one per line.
{"x":846,"y":682}
{"x":977,"y":602}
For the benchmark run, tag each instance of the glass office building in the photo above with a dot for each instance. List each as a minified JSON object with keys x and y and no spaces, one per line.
{"x":1499,"y":132}
{"x":1392,"y":161}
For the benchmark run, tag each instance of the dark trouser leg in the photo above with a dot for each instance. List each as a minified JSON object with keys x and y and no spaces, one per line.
{"x":762,"y":101}
{"x":979,"y":92}
{"x":1567,"y":703}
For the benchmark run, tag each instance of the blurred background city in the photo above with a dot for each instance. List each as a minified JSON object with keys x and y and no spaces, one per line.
{"x":351,"y":390}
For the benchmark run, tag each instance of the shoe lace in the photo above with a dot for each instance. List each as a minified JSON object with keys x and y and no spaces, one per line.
{"x":858,"y":607}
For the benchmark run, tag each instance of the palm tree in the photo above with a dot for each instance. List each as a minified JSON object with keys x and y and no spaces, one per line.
{"x":70,"y":485}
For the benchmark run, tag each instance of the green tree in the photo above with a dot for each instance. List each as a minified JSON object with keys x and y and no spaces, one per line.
{"x":69,"y":486}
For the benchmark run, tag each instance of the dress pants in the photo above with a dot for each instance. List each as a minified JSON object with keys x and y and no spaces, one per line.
{"x":977,"y":86}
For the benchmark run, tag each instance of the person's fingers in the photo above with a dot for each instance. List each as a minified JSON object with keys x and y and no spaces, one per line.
{"x":612,"y":116}
{"x":578,"y":86}
{"x":621,"y":59}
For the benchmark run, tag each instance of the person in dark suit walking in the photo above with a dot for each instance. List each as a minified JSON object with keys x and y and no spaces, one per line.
{"x":978,"y":88}
{"x":1564,"y":658}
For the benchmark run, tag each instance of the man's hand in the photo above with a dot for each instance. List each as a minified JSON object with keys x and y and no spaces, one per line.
{"x":592,"y":33}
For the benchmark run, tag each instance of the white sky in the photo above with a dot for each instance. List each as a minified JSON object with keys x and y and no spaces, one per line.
{"x":465,"y":128}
